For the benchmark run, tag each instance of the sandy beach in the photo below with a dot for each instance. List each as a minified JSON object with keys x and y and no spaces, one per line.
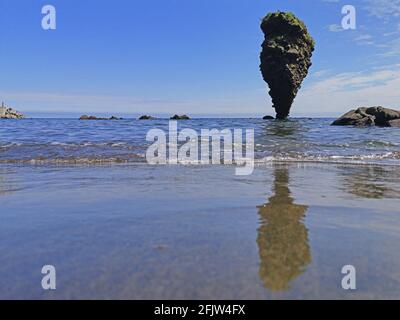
{"x":189,"y":232}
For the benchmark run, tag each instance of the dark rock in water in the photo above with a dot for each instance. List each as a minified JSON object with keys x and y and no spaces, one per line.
{"x":86,"y":117}
{"x":268,"y":118}
{"x":9,"y":113}
{"x":355,"y":117}
{"x":378,"y":116}
{"x":285,"y":58}
{"x":146,"y":117}
{"x":383,"y":115}
{"x":182,"y":117}
{"x":394,"y":123}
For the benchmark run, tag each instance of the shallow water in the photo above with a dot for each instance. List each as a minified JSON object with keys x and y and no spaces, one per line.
{"x":199,"y":232}
{"x":74,"y":141}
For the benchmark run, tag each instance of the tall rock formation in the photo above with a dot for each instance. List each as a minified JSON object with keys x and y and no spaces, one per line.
{"x":285,"y":58}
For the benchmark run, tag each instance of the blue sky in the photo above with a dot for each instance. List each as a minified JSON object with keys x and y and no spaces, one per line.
{"x":199,"y":57}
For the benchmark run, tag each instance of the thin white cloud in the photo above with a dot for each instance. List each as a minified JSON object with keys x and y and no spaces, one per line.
{"x":335,"y":28}
{"x":341,"y":92}
{"x":383,"y":9}
{"x":364,"y":39}
{"x":392,"y":49}
{"x":319,"y":73}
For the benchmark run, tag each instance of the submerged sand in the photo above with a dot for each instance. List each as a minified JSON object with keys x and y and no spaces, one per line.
{"x":183,"y":232}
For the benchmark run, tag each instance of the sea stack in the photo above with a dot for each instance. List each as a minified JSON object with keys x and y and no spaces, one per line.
{"x":285,"y":58}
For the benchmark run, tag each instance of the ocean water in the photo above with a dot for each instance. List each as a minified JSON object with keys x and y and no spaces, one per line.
{"x":74,"y":141}
{"x":79,"y":196}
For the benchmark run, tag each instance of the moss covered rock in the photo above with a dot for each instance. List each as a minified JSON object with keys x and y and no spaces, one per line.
{"x":285,"y":58}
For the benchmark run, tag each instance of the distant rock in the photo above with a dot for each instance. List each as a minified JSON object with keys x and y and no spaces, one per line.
{"x":285,"y":58}
{"x":9,"y":113}
{"x":146,"y":117}
{"x":364,"y":116}
{"x":268,"y":118}
{"x":182,"y":117}
{"x":86,"y":117}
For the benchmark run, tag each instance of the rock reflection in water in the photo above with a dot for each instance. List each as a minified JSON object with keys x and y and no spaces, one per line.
{"x":286,"y":128}
{"x":282,"y":237}
{"x":5,"y":186}
{"x":371,"y":182}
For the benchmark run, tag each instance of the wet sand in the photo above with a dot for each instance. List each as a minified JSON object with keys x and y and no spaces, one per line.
{"x":175,"y":232}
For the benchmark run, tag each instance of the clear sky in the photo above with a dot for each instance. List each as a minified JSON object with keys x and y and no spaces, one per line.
{"x":199,"y":57}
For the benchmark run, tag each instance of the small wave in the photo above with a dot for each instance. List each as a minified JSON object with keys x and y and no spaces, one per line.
{"x":77,"y":160}
{"x":380,"y":143}
{"x":10,"y":145}
{"x":389,"y":158}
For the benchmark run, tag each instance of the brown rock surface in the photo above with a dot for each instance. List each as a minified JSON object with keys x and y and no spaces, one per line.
{"x":285,"y":58}
{"x":364,"y":116}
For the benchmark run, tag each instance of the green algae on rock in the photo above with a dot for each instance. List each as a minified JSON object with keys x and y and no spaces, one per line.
{"x":285,"y":58}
